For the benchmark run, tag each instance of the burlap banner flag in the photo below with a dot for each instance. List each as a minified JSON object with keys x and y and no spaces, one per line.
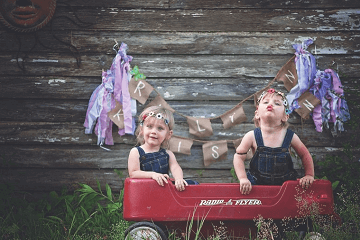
{"x":307,"y":102}
{"x":233,"y":117}
{"x":288,"y":74}
{"x":180,"y":145}
{"x":214,"y":152}
{"x":140,"y":90}
{"x":200,"y":127}
{"x":159,"y":101}
{"x":117,"y":115}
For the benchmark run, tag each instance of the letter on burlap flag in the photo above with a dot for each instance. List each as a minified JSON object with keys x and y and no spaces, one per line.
{"x":200,"y":127}
{"x":233,"y":117}
{"x":117,"y":115}
{"x":307,"y":102}
{"x":288,"y":74}
{"x":214,"y":151}
{"x":180,"y":145}
{"x":159,"y":101}
{"x":140,"y":90}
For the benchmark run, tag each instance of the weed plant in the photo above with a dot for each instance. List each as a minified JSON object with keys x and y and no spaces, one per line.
{"x":85,"y":214}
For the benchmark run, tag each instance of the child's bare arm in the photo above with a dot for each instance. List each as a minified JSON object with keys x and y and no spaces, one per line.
{"x":239,"y":162}
{"x":306,"y":160}
{"x":177,"y":172}
{"x":135,"y":172}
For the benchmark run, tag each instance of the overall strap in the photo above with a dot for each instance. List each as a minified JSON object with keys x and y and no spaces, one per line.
{"x":141,"y":153}
{"x":258,"y":137}
{"x":287,"y":140}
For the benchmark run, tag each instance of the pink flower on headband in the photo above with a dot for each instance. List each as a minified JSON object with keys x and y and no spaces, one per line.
{"x":271,"y":90}
{"x":144,"y":117}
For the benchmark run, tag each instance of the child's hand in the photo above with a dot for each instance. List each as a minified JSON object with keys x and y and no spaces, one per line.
{"x":245,"y":186}
{"x":180,"y":184}
{"x":160,"y":178}
{"x":306,"y":181}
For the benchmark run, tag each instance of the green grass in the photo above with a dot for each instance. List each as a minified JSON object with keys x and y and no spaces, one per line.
{"x":84,"y":214}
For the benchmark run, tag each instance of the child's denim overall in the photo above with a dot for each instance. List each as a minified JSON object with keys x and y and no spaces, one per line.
{"x":271,"y":166}
{"x":155,"y":162}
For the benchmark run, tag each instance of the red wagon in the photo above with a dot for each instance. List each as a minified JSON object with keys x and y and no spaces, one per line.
{"x":209,"y":208}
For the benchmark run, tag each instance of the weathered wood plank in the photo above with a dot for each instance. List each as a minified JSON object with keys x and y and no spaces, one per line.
{"x":38,"y":180}
{"x":93,"y":157}
{"x":203,"y":4}
{"x":174,"y":89}
{"x":74,"y":111}
{"x":274,"y":43}
{"x":265,"y":19}
{"x":171,"y":89}
{"x":116,"y":4}
{"x":45,"y":180}
{"x":42,"y":110}
{"x":48,"y":87}
{"x":73,"y":133}
{"x":174,"y":66}
{"x":259,"y":4}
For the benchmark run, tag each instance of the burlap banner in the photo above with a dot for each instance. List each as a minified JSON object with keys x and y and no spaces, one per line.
{"x":214,"y":152}
{"x":180,"y":145}
{"x":117,"y":115}
{"x":233,"y":117}
{"x":307,"y":103}
{"x":288,"y":74}
{"x":159,"y":101}
{"x":200,"y":127}
{"x":140,"y":90}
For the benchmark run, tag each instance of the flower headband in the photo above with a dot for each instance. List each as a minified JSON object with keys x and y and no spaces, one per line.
{"x":285,"y":102}
{"x":157,"y":116}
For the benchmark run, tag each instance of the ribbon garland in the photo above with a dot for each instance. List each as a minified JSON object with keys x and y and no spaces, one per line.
{"x":311,"y":93}
{"x":114,"y":89}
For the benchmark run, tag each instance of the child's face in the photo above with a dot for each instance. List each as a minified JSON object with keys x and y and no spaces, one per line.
{"x":272,"y":105}
{"x":155,"y":131}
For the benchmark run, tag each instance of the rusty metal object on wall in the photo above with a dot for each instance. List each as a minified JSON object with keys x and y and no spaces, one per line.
{"x":26,"y":15}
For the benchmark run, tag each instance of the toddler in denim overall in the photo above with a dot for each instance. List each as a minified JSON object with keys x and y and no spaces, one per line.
{"x":271,"y":140}
{"x":151,"y":159}
{"x":271,"y":166}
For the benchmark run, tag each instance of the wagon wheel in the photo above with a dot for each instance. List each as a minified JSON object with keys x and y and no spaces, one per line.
{"x":314,"y":236}
{"x":145,"y":230}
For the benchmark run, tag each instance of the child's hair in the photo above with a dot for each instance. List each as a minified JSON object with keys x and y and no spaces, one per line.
{"x":156,"y":112}
{"x":273,"y":92}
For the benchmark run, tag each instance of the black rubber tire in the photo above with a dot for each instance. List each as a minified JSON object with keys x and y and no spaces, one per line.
{"x":145,"y":230}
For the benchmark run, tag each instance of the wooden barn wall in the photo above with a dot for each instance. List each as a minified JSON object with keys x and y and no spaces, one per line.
{"x":202,"y":56}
